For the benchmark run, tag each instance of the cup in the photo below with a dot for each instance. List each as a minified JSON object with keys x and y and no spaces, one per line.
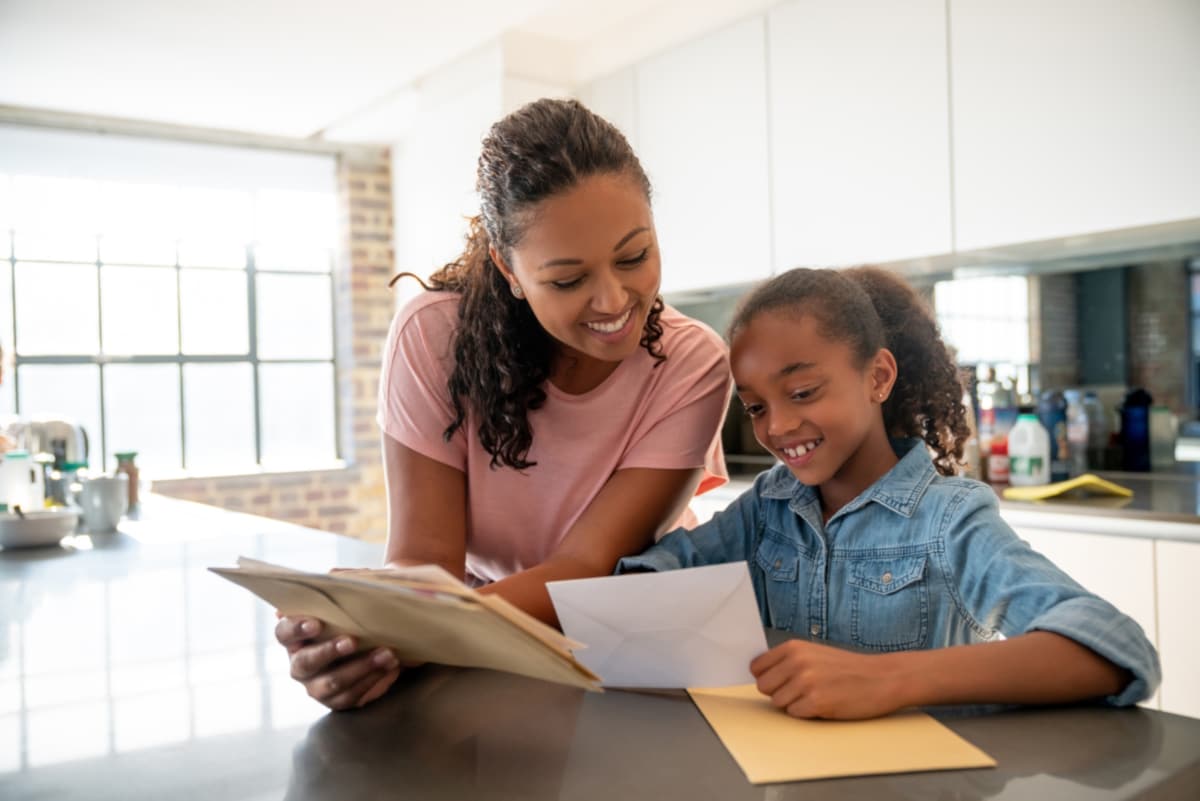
{"x":104,"y":499}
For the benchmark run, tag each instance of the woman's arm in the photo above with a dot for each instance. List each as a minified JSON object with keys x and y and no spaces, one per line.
{"x":632,"y":507}
{"x":809,"y":680}
{"x":426,"y":510}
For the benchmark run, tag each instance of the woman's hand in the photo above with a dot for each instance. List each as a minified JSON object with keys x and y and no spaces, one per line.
{"x":329,"y":667}
{"x":809,"y":680}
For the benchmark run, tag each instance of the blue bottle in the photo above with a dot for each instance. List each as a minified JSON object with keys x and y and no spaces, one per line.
{"x":1135,"y":430}
{"x":1052,"y":412}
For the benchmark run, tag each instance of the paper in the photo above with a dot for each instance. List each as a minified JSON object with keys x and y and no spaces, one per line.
{"x":697,"y":627}
{"x":771,"y":746}
{"x":425,"y":615}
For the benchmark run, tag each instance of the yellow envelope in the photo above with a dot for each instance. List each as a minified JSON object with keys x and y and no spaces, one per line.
{"x":771,"y":746}
{"x":423,"y":616}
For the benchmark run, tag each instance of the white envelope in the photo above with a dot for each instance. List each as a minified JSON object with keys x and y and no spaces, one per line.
{"x":697,"y":627}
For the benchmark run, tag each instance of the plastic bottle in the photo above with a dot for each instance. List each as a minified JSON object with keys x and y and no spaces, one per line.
{"x":997,"y":465}
{"x":18,"y":481}
{"x":1028,"y":451}
{"x":1052,"y":411}
{"x":1077,"y":432}
{"x":1098,"y":430}
{"x":1135,"y":430}
{"x":125,"y":465}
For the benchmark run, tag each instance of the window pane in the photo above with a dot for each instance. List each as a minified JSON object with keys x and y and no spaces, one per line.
{"x":295,"y":317}
{"x":216,"y":319}
{"x":56,"y":308}
{"x":30,"y":243}
{"x":140,"y":310}
{"x":55,"y":204}
{"x":297,"y":415}
{"x":8,"y":398}
{"x":219,"y":407}
{"x":296,"y":217}
{"x":137,"y":249}
{"x":68,"y":391}
{"x":141,"y":408}
{"x":224,"y":214}
{"x":227,"y":253}
{"x":6,"y":209}
{"x":140,"y":210}
{"x":296,"y":259}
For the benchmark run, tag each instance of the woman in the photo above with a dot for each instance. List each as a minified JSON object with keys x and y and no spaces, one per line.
{"x":543,"y":412}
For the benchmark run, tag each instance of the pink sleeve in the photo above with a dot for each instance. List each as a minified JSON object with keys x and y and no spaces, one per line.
{"x":683,"y":426}
{"x":414,"y":400}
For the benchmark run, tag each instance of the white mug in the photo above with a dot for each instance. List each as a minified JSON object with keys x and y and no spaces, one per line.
{"x":104,"y":499}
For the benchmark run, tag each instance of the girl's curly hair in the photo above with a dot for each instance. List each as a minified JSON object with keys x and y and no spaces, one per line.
{"x":870,"y":308}
{"x":502,"y":355}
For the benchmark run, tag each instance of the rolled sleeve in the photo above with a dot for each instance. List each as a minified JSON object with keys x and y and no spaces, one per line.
{"x":1005,"y":586}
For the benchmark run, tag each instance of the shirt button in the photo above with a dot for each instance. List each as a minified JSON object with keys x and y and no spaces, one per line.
{"x":778,"y":563}
{"x":814,"y":630}
{"x":887,"y":578}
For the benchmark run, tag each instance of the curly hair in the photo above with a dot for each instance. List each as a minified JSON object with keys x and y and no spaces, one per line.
{"x":870,"y":308}
{"x":502,"y":355}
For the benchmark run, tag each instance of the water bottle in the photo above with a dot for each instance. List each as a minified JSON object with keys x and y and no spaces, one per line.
{"x":1052,"y":410}
{"x":1028,"y":451}
{"x":1077,"y":432}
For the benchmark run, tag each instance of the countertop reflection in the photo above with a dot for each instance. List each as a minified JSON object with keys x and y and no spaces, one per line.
{"x":127,"y":671}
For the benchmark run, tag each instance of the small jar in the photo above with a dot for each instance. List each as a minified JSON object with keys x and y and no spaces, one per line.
{"x":997,"y":464}
{"x":125,"y":465}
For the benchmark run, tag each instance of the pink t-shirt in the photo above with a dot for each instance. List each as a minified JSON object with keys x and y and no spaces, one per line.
{"x":668,"y":418}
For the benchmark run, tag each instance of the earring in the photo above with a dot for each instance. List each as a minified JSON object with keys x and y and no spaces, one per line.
{"x":517,"y":292}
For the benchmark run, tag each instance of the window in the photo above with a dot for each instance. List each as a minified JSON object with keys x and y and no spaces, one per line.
{"x":986,"y":320}
{"x":191,"y":323}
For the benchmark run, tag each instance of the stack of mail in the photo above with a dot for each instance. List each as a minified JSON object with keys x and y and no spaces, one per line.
{"x":424,"y":614}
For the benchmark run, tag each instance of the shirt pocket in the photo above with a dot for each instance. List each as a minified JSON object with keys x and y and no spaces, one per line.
{"x":779,"y":561}
{"x":890,"y":603}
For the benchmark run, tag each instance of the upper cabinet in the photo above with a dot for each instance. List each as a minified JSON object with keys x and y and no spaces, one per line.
{"x":859,"y":131}
{"x":1072,"y":118}
{"x":702,"y":138}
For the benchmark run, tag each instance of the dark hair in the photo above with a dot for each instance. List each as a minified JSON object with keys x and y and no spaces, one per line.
{"x":502,"y":355}
{"x":870,"y":308}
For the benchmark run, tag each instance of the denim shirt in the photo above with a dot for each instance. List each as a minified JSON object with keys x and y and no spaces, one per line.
{"x":917,"y":561}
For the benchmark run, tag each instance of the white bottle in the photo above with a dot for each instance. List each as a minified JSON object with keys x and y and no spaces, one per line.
{"x":1028,"y":452}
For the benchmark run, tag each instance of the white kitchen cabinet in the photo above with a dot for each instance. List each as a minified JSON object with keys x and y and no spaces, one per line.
{"x":614,"y":98}
{"x":1179,"y":630}
{"x":702,"y":137}
{"x":1073,"y":117}
{"x":860,"y":131}
{"x":1118,"y":569}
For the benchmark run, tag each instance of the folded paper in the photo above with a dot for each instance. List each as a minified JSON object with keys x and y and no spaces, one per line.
{"x":771,"y":746}
{"x":424,"y":614}
{"x":681,"y":628}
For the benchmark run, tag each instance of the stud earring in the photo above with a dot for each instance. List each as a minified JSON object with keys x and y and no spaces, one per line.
{"x":517,"y":292}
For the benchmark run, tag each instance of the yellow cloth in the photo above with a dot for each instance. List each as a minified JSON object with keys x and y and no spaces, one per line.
{"x":1087,"y":482}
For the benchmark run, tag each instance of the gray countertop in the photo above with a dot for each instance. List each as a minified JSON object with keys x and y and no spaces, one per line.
{"x":127,"y":671}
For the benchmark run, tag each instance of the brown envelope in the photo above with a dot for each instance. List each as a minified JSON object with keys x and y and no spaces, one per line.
{"x":427,"y":621}
{"x":771,"y":746}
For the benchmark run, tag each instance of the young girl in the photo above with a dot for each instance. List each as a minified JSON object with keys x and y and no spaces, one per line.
{"x":861,"y":537}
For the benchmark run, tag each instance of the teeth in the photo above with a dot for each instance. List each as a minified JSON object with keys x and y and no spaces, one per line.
{"x":800,"y":450}
{"x":613,"y":327}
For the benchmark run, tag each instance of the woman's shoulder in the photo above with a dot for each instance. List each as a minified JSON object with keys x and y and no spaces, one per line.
{"x":687,"y":336}
{"x":430,"y":312}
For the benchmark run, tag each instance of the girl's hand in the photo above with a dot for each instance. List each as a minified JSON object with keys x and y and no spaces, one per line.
{"x":329,"y":667}
{"x":809,"y":680}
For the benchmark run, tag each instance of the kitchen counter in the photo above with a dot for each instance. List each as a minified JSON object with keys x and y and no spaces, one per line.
{"x":127,"y":671}
{"x":1163,"y":506}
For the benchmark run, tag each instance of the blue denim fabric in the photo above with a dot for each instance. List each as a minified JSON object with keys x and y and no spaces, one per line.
{"x":916,"y":561}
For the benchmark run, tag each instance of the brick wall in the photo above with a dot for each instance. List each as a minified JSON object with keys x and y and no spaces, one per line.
{"x":1158,"y":331}
{"x":350,"y":500}
{"x":1054,"y":327}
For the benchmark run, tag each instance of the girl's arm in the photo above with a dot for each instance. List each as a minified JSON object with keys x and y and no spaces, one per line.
{"x":809,"y":680}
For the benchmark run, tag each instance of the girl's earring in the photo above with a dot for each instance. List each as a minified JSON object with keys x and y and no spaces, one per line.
{"x":517,"y":292}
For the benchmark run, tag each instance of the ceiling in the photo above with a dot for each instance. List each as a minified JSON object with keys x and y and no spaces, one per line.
{"x":291,"y":68}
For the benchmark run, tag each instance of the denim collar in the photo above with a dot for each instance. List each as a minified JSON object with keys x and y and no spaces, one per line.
{"x":899,"y":489}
